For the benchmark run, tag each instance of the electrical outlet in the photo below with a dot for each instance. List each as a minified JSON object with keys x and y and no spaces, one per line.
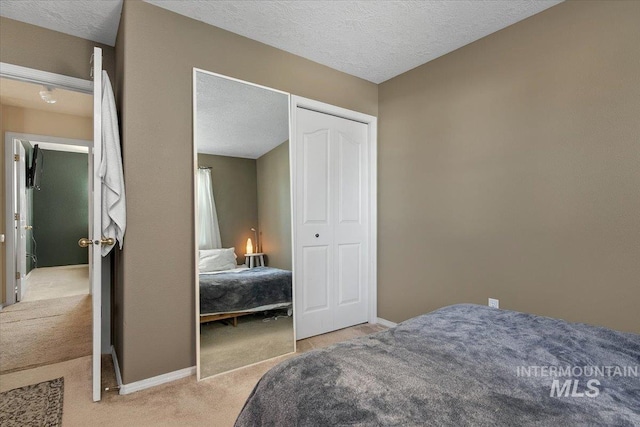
{"x":494,"y":303}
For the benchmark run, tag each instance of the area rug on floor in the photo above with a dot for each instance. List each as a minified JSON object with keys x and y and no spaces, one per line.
{"x":44,"y":332}
{"x":34,"y":405}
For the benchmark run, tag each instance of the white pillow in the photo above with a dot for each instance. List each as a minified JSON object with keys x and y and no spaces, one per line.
{"x":217,"y":260}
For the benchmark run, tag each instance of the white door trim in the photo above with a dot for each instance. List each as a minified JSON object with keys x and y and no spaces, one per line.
{"x":9,"y":252}
{"x":372,"y":125}
{"x":30,"y":75}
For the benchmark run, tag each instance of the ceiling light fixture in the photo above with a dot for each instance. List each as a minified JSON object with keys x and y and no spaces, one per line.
{"x":47,"y":95}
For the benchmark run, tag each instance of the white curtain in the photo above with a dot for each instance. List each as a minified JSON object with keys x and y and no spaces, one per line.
{"x":207,"y":217}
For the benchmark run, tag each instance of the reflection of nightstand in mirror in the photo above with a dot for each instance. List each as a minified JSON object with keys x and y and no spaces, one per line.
{"x":254,"y":260}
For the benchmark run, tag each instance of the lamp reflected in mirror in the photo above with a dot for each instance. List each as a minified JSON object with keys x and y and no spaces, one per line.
{"x":244,"y":284}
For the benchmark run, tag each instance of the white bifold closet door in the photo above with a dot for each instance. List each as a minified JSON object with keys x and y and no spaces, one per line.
{"x":332,"y":223}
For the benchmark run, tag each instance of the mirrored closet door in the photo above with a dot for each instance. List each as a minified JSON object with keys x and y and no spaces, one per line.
{"x":243,"y":223}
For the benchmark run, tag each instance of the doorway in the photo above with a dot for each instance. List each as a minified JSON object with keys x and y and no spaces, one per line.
{"x":47,"y":306}
{"x":50,"y":203}
{"x":99,"y":266}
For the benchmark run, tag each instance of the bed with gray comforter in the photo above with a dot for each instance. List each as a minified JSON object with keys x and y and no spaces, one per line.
{"x":462,"y":365}
{"x":245,"y":290}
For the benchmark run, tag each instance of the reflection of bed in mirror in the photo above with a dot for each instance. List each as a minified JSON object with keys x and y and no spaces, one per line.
{"x":230,"y":294}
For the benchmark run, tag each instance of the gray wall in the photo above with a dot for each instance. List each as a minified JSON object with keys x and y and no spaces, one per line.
{"x":60,"y":209}
{"x":235,"y":195}
{"x":274,"y":206}
{"x":156,"y":265}
{"x":510,"y":168}
{"x":42,"y":49}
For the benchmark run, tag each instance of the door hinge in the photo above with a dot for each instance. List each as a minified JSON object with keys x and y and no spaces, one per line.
{"x":18,"y":276}
{"x":16,"y":157}
{"x":16,"y":217}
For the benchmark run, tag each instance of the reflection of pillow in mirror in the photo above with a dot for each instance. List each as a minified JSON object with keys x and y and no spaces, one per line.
{"x":217,"y":260}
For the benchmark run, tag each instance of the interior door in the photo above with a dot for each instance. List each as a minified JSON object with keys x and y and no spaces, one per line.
{"x":332,"y":223}
{"x":20,"y":219}
{"x":95,"y":219}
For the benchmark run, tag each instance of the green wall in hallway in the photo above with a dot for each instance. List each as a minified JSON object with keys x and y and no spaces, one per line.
{"x":60,"y":209}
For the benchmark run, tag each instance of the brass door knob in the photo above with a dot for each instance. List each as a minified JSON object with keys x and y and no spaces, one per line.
{"x":84,"y":242}
{"x":109,"y":241}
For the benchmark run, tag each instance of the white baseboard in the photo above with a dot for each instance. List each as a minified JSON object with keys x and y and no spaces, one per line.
{"x":385,"y":322}
{"x":116,"y":366}
{"x":157,"y":380}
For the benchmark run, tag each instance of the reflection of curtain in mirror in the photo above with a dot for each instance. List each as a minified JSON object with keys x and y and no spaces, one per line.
{"x":207,"y":217}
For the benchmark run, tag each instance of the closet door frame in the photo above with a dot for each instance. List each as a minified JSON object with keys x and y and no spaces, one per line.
{"x":372,"y":126}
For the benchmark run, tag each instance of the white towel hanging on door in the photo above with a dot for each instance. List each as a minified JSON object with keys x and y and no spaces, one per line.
{"x":114,"y":214}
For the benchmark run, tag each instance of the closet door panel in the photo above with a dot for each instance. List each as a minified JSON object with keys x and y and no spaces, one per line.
{"x":349,"y":174}
{"x":314,"y":232}
{"x":314,"y":292}
{"x":315,"y":285}
{"x":315,"y":169}
{"x":349,"y":274}
{"x":350,"y":148}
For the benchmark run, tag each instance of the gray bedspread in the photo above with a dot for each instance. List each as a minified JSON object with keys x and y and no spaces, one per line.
{"x":462,"y":365}
{"x":245,"y":290}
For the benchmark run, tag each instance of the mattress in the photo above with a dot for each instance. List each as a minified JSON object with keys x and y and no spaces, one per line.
{"x":463,"y":365}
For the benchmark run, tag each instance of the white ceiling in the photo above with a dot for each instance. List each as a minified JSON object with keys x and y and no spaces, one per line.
{"x":26,"y":95}
{"x":372,"y":39}
{"x":96,"y":20}
{"x":238,"y":120}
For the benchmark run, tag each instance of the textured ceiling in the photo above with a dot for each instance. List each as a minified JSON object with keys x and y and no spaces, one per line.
{"x":239,"y":120}
{"x":95,"y":20}
{"x":26,"y":95}
{"x":373,"y":39}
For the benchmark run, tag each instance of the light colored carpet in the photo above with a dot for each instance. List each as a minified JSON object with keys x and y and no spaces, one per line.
{"x":43,"y":332}
{"x":225,"y":347}
{"x":34,"y":405}
{"x":215,"y":401}
{"x":57,"y":282}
